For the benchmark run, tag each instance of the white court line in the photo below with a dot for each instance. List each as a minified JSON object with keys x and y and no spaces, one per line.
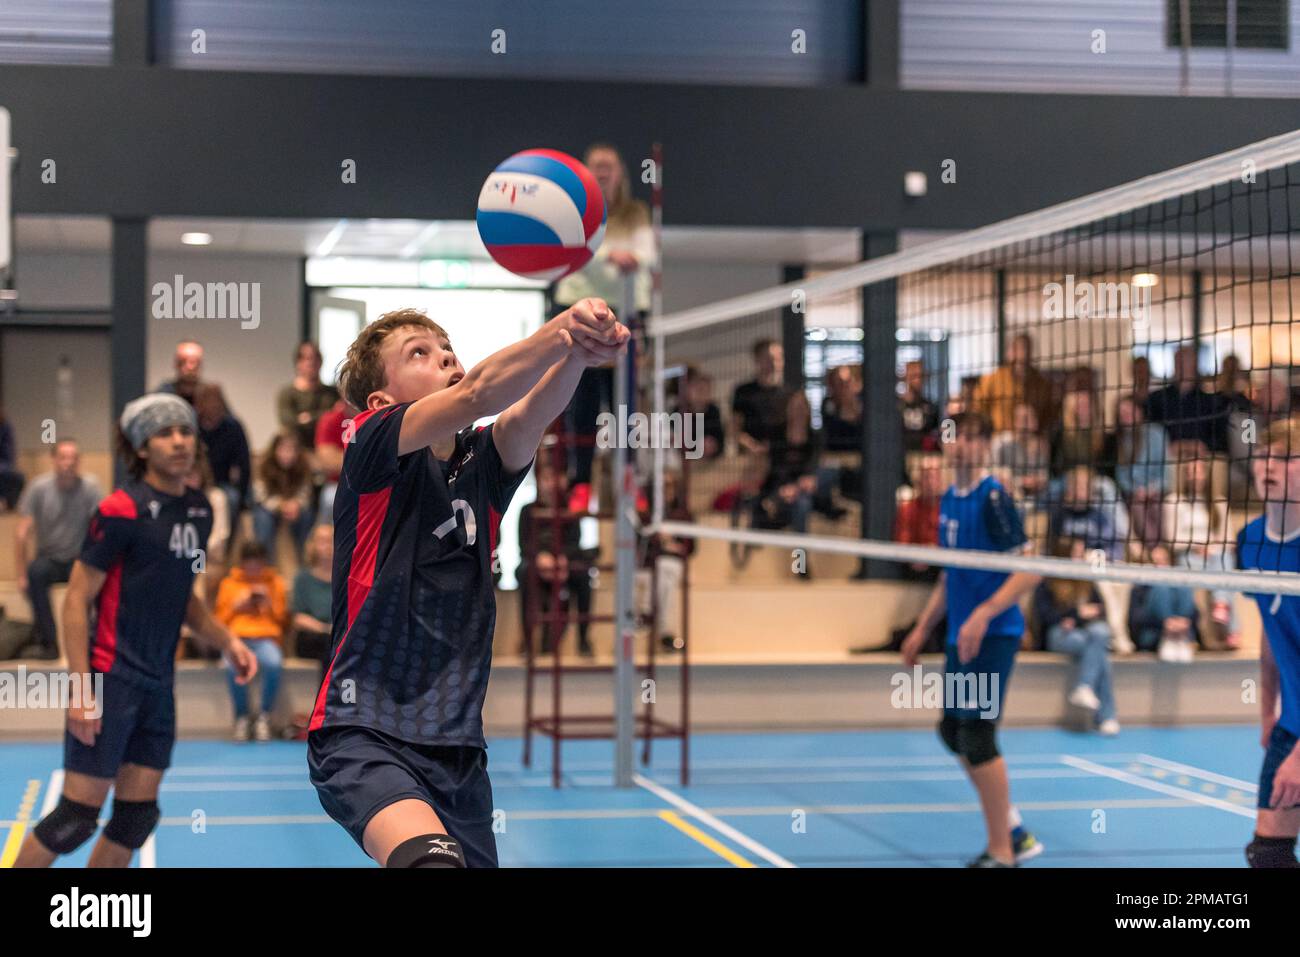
{"x":937,"y":760}
{"x":1196,"y":772}
{"x":722,"y":827}
{"x":1158,"y":786}
{"x":53,"y":791}
{"x":149,"y":853}
{"x":848,"y":777}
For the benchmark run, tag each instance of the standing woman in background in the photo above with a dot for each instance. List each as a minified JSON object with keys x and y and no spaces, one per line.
{"x":627,"y":249}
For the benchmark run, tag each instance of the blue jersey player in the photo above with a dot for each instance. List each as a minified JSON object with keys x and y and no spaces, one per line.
{"x":137,"y":567}
{"x":985,"y":627}
{"x":1271,"y":543}
{"x":395,"y":741}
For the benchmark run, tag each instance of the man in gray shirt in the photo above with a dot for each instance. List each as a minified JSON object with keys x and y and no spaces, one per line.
{"x":58,"y":506}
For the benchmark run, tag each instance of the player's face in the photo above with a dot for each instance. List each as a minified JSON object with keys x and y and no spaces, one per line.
{"x":417,"y":363}
{"x":170,"y":453}
{"x":1277,"y":475}
{"x":969,"y":450}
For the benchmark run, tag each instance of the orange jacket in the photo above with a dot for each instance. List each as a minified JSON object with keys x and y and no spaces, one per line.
{"x":268,"y":622}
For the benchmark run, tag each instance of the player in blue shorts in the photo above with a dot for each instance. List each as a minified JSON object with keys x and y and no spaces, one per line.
{"x":395,"y":741}
{"x":985,"y":627}
{"x":137,"y":566}
{"x":1271,"y":543}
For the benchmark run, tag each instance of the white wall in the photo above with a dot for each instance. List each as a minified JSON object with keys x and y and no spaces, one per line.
{"x":250,"y":364}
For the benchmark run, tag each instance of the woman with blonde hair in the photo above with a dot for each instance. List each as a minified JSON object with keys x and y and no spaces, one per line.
{"x":628,"y":249}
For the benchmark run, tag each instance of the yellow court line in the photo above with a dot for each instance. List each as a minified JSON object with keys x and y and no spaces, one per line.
{"x":14,"y":841}
{"x":716,"y":846}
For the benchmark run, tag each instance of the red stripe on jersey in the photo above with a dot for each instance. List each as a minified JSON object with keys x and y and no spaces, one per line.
{"x":110,"y":600}
{"x":371,"y":511}
{"x":118,"y":505}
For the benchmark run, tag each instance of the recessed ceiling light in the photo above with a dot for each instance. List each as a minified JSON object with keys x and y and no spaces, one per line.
{"x":196,"y":239}
{"x":1145,"y":279}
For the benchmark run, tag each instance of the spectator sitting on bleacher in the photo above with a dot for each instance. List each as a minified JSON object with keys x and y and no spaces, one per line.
{"x":562,"y":573}
{"x":1162,"y":618}
{"x":1195,"y":524}
{"x":1016,"y":382}
{"x":796,"y":485}
{"x":1080,"y":437}
{"x":58,"y":507}
{"x":303,"y":401}
{"x":331,"y":442}
{"x":1022,"y":457}
{"x":312,"y":599}
{"x":1144,"y":471}
{"x":251,"y":602}
{"x":920,"y":415}
{"x":188,"y":363}
{"x":1079,"y":515}
{"x":668,"y":556}
{"x":697,"y":397}
{"x":227,"y":447}
{"x":758,"y":407}
{"x":1071,"y":621}
{"x":1187,"y":411}
{"x":916,"y":516}
{"x":11,"y":480}
{"x":1140,"y":372}
{"x":282,"y":494}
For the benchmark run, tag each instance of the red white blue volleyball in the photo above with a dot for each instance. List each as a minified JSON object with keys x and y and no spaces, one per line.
{"x":541,"y":214}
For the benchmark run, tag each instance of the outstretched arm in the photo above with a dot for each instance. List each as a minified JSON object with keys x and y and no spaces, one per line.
{"x":519,"y":429}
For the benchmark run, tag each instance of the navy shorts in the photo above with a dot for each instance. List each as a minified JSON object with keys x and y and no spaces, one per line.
{"x":1280,"y":745}
{"x":138,"y":727}
{"x":358,"y":772}
{"x":991,"y":672}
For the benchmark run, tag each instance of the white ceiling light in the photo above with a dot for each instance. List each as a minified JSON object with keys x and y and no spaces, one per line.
{"x":196,"y":239}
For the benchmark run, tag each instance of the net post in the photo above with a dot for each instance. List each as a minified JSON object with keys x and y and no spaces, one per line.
{"x":624,"y":554}
{"x":880,"y":427}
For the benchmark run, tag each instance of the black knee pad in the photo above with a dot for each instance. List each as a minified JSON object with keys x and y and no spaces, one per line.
{"x":948,"y":732}
{"x":68,"y":826}
{"x":132,"y":822}
{"x":427,"y":850}
{"x":978,"y":740}
{"x":1271,"y":852}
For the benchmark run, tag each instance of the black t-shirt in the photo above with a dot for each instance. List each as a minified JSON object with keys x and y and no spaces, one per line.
{"x":148,"y":543}
{"x":414,"y":609}
{"x":761,"y":409}
{"x":920,"y":421}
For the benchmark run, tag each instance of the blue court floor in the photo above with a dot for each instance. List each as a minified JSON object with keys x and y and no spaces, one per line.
{"x":1151,"y":797}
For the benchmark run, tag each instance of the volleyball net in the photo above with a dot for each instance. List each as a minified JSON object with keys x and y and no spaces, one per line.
{"x":1121,"y":364}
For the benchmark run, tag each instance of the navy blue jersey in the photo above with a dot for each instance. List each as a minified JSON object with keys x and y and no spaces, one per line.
{"x":983,"y":518}
{"x":148,"y":544}
{"x":1258,"y":550}
{"x":414,"y":608}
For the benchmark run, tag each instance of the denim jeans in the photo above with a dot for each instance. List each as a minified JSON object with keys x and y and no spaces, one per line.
{"x":1087,"y":645}
{"x":41,"y":575}
{"x":265,"y":523}
{"x":270,"y":659}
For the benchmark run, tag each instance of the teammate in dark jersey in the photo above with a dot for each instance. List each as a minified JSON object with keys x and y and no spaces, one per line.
{"x":985,"y":627}
{"x":137,"y":566}
{"x":1271,"y":543}
{"x":395,"y":743}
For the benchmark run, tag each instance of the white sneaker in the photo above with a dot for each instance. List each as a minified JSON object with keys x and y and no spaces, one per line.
{"x":1169,"y":650}
{"x":1188,"y":651}
{"x":262,"y":728}
{"x":1108,"y":728}
{"x":243,"y":729}
{"x":1123,"y":645}
{"x":1084,"y":697}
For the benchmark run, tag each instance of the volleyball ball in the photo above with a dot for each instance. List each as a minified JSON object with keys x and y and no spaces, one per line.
{"x":541,"y":214}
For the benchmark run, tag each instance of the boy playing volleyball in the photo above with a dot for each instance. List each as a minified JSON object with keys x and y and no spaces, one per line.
{"x":395,"y":743}
{"x":1271,"y":543}
{"x":985,"y":626}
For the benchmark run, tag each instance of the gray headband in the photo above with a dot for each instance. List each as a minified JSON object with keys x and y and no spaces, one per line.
{"x":148,"y":415}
